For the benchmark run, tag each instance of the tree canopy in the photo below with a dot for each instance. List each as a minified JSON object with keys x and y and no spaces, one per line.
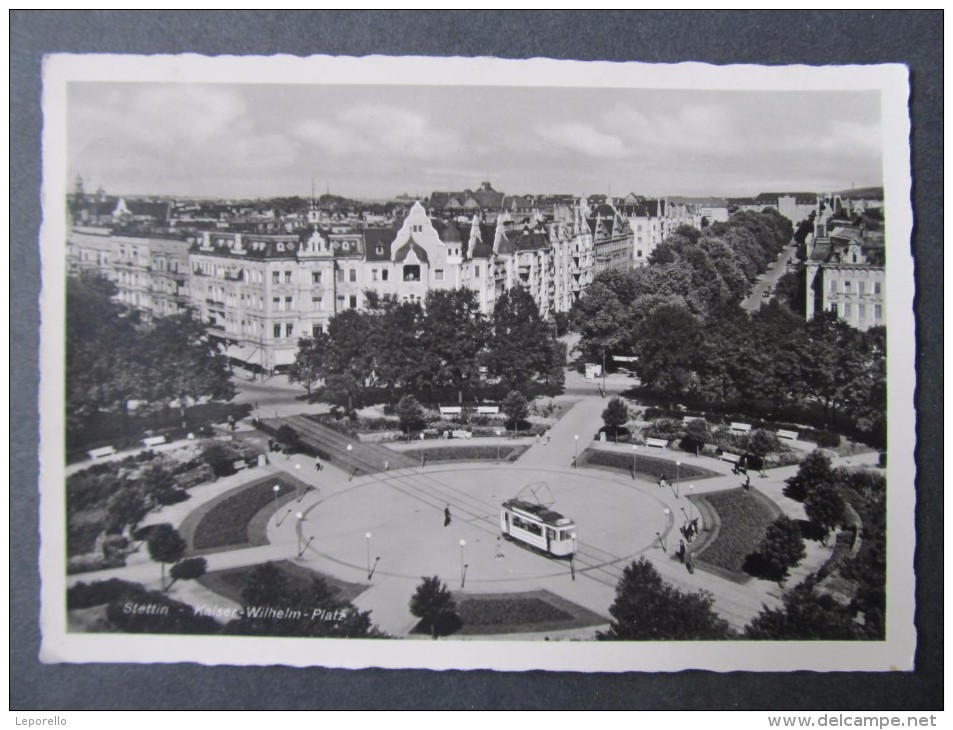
{"x":648,"y":608}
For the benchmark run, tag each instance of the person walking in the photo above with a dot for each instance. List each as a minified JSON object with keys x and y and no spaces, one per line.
{"x":318,"y":466}
{"x":446,"y":515}
{"x":681,"y":550}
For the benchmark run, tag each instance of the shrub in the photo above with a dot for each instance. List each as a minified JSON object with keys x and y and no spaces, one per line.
{"x":87,"y":595}
{"x":220,"y":457}
{"x":664,"y":428}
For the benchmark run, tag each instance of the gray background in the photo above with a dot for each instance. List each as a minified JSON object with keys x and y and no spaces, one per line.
{"x":779,"y":37}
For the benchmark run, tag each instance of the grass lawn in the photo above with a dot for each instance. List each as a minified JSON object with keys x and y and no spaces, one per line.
{"x":741,"y":519}
{"x":649,"y":467}
{"x":511,"y":613}
{"x":467,"y":453}
{"x":229,"y":583}
{"x":224,"y":522}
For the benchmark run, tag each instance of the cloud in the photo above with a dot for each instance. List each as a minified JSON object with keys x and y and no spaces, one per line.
{"x":582,"y":138}
{"x":383,"y":132}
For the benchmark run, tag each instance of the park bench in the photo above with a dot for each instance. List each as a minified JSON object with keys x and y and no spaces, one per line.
{"x":488,"y":410}
{"x":460,"y":434}
{"x":450,"y":410}
{"x":101,"y":452}
{"x":657,"y":443}
{"x":238,"y":464}
{"x":741,"y":427}
{"x":788,"y":435}
{"x":153,"y":441}
{"x":730,"y":458}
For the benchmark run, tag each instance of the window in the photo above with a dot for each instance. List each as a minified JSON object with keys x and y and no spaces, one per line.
{"x":476,"y":271}
{"x":315,"y":330}
{"x":315,"y":304}
{"x":315,"y":277}
{"x":287,"y":277}
{"x":289,"y":303}
{"x":340,"y":275}
{"x":276,"y":303}
{"x":353,"y":301}
{"x":877,"y":290}
{"x":340,"y":301}
{"x":638,"y":254}
{"x":861,"y":313}
{"x":878,"y":312}
{"x":438,"y":274}
{"x":373,"y":274}
{"x":379,"y":250}
{"x":860,"y":288}
{"x":412,"y":272}
{"x":384,"y":274}
{"x":352,"y":275}
{"x":846,"y":310}
{"x":289,"y":329}
{"x":275,"y":277}
{"x":846,"y":287}
{"x":277,"y":331}
{"x":833,"y":286}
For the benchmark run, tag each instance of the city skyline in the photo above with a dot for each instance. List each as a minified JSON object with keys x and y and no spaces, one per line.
{"x":377,"y":142}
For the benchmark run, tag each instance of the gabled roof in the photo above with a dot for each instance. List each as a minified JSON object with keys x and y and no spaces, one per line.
{"x":378,"y":238}
{"x":404,"y":251}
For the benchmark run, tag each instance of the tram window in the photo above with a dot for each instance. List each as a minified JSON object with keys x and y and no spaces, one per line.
{"x":528,"y":526}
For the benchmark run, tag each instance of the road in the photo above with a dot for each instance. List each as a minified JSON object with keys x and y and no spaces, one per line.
{"x":775,"y":271}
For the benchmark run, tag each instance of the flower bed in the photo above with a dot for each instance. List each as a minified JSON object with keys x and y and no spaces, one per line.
{"x":743,"y":518}
{"x":467,"y":453}
{"x":230,"y":582}
{"x":507,"y":613}
{"x":648,"y":467}
{"x":223,"y":523}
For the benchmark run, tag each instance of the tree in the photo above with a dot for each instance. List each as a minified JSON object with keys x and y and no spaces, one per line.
{"x":804,"y":616}
{"x":666,"y":342}
{"x":126,"y":508}
{"x":648,"y":608}
{"x":165,"y":546}
{"x":454,"y":337}
{"x":761,"y":443}
{"x":188,"y":569}
{"x":814,"y":470}
{"x":615,"y":416}
{"x":519,"y":348}
{"x":410,"y":413}
{"x":310,"y":363}
{"x":696,"y":436}
{"x":515,"y":407}
{"x":825,"y":507}
{"x":781,"y":548}
{"x":433,"y":604}
{"x":600,"y":319}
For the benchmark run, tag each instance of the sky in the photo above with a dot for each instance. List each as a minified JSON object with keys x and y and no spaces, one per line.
{"x":258,"y":140}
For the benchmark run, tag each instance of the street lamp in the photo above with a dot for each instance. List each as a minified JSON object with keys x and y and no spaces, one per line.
{"x":423,"y":454}
{"x":276,"y":489}
{"x":661,"y":537}
{"x":634,"y":449}
{"x":298,"y":481}
{"x":691,"y":493}
{"x":367,"y":537}
{"x":499,"y":433}
{"x":575,"y":453}
{"x":463,"y":566}
{"x":572,"y":558}
{"x":350,"y":448}
{"x":299,"y":516}
{"x":678,"y":481}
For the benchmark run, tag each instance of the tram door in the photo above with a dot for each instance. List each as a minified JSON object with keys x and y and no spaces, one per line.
{"x":549,"y":538}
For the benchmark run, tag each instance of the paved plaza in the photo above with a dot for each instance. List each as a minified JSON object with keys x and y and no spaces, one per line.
{"x":386,"y":529}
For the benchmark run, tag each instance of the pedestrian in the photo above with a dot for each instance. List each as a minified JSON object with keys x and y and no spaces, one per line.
{"x":574,"y":462}
{"x":681,"y":550}
{"x":446,"y":515}
{"x":747,"y":481}
{"x":547,"y":438}
{"x":690,"y":563}
{"x":499,"y":549}
{"x":271,"y":445}
{"x":318,"y":466}
{"x":386,"y":465}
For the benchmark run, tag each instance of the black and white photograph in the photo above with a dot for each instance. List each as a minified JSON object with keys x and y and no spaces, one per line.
{"x":476,"y":363}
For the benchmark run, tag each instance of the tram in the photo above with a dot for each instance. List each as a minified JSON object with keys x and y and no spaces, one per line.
{"x":539,"y":527}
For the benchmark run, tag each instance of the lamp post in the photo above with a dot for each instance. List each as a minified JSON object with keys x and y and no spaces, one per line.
{"x":423,"y":455}
{"x":678,"y":480}
{"x":575,"y":453}
{"x":499,"y":433}
{"x":367,"y":538}
{"x":661,"y":536}
{"x":299,"y":516}
{"x":572,"y":558}
{"x":463,"y":566}
{"x":276,"y":489}
{"x":691,"y":493}
{"x":298,"y":482}
{"x":634,"y":449}
{"x":350,"y":448}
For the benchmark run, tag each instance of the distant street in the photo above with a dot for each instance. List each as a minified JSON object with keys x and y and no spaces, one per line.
{"x":775,"y":271}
